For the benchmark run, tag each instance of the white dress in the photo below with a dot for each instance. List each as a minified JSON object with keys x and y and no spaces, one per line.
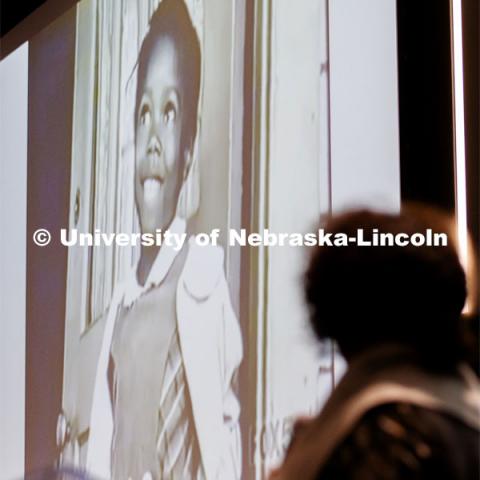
{"x":211,"y":346}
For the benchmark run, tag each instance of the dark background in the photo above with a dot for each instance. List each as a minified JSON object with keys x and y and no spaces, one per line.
{"x":426,"y":156}
{"x":13,"y":12}
{"x":425,"y":93}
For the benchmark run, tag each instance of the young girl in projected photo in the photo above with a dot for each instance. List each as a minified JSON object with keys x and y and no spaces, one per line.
{"x":163,"y":403}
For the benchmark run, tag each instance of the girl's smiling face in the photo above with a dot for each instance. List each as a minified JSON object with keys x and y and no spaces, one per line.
{"x":159,"y":158}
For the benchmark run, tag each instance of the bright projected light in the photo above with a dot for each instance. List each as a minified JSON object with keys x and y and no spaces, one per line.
{"x":459,"y":122}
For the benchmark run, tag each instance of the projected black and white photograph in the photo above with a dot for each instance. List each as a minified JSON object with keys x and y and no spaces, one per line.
{"x":153,"y":345}
{"x":169,"y":372}
{"x":143,"y":116}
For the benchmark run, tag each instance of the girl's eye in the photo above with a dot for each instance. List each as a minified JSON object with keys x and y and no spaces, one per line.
{"x":145,"y":115}
{"x":169,"y":113}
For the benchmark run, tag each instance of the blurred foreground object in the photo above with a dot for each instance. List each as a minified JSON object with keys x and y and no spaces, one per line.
{"x":409,"y":405}
{"x":63,"y":473}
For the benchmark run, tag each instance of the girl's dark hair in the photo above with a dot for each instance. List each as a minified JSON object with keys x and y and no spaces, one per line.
{"x":362,"y":297}
{"x":172,"y":20}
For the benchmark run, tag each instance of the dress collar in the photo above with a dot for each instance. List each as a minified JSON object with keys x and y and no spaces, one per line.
{"x":161,"y":266}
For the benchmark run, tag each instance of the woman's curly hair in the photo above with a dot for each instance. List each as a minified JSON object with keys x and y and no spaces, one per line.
{"x":412,"y":295}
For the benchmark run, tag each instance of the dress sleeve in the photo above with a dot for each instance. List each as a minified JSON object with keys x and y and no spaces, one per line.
{"x":232,"y":353}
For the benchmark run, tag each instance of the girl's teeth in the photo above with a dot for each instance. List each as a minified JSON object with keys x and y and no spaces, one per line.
{"x":151,"y":187}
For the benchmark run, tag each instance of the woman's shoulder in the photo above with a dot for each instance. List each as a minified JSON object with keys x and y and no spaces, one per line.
{"x":399,"y":440}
